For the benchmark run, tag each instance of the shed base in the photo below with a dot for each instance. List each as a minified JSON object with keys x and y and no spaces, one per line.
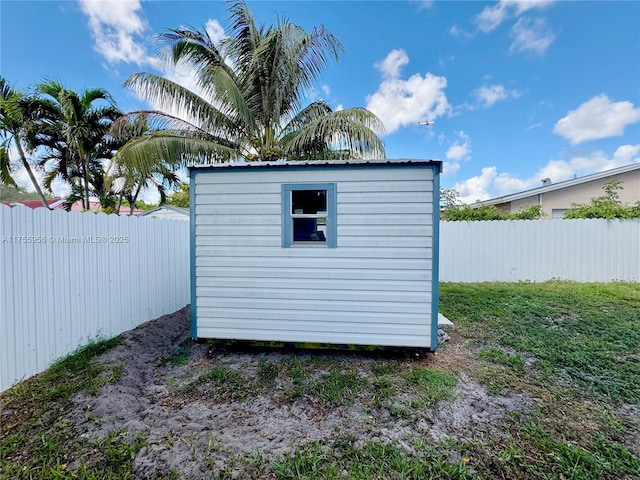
{"x":253,"y":345}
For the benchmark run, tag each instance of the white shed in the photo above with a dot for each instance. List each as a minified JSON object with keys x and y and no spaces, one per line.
{"x":323,"y":252}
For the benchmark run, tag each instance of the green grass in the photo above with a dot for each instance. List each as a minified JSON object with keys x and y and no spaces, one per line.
{"x":37,"y":443}
{"x":586,"y":335}
{"x":573,"y":350}
{"x":344,"y":459}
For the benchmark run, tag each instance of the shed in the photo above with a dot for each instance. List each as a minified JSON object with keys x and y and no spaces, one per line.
{"x":322,"y":252}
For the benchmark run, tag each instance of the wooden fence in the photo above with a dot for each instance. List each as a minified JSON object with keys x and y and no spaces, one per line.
{"x":68,"y":278}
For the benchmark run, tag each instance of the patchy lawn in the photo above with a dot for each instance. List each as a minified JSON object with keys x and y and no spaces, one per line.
{"x":537,"y":381}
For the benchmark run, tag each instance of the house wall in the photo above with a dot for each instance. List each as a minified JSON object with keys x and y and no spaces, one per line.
{"x":583,"y":193}
{"x":374,"y":288}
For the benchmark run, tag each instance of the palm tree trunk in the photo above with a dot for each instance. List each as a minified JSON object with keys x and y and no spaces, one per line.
{"x":27,"y":167}
{"x":135,"y":199}
{"x":85,"y":169}
{"x":119,"y":205}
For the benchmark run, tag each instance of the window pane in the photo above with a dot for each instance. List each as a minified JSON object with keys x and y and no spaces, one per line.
{"x":307,"y":230}
{"x":308,"y":201}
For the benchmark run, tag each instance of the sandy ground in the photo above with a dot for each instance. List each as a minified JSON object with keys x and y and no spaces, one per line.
{"x":195,"y":434}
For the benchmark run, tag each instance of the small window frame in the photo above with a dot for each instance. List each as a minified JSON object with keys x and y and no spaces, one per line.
{"x":331,"y":235}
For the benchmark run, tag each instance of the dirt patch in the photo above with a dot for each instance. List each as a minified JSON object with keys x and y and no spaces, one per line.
{"x":194,"y":422}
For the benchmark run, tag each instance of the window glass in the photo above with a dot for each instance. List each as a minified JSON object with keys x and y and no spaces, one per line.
{"x":309,"y":215}
{"x":308,"y":201}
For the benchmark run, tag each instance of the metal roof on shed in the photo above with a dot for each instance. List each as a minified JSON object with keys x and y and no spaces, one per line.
{"x":317,"y":163}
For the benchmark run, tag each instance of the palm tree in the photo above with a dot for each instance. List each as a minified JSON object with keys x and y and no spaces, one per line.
{"x":75,"y":132}
{"x":250,"y":102}
{"x":16,"y":117}
{"x":129,"y":180}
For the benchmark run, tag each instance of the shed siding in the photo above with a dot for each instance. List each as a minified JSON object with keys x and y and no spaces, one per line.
{"x":375,"y":288}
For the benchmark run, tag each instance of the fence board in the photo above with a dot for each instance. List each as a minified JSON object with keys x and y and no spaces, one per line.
{"x":67,"y":278}
{"x":591,"y":250}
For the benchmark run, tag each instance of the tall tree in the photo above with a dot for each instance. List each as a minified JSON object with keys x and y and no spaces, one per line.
{"x":128,"y":179}
{"x":16,"y":118}
{"x":74,"y":127}
{"x":251,"y":88}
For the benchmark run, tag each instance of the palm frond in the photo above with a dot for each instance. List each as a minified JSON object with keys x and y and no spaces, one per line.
{"x":180,"y":102}
{"x":346,"y":132}
{"x":175,"y":148}
{"x":5,"y":168}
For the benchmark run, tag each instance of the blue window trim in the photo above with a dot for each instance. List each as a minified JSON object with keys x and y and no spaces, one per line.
{"x":192,"y":219}
{"x":332,"y":210}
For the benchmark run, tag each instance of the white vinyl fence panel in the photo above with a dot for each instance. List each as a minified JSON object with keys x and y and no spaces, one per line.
{"x":68,"y":278}
{"x":593,"y":250}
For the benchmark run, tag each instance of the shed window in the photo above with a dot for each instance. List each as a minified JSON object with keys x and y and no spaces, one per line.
{"x":309,"y":214}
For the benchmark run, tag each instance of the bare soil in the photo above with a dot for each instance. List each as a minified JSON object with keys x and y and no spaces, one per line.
{"x":191,"y":431}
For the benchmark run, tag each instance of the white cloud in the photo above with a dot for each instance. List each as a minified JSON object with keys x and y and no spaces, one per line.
{"x":533,"y":36}
{"x":476,"y":188}
{"x":492,"y":17}
{"x":490,"y":94}
{"x":456,"y":31}
{"x":457,"y":152}
{"x":400,"y":102}
{"x":117,"y":28}
{"x":597,"y":118}
{"x":391,"y":65}
{"x":215,"y":30}
{"x":326,"y":89}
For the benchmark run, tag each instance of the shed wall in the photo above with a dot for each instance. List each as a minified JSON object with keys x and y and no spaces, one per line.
{"x":375,"y":288}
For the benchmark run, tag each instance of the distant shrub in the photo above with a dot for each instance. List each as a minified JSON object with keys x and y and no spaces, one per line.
{"x":606,"y":206}
{"x":466,"y":213}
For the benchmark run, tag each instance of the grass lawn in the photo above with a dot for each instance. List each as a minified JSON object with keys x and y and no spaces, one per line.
{"x":570,"y":351}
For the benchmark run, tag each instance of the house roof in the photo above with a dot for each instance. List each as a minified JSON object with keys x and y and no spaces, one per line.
{"x":315,"y":163}
{"x":557,"y":186}
{"x":183,"y":211}
{"x":33,"y":203}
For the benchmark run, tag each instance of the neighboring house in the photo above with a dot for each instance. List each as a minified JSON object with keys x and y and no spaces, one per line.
{"x":77,"y":206}
{"x":33,"y":203}
{"x":94,"y":206}
{"x":323,"y":252}
{"x":167,"y":212}
{"x":556,"y":198}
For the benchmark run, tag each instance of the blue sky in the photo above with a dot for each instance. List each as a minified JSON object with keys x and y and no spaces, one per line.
{"x":518,"y":90}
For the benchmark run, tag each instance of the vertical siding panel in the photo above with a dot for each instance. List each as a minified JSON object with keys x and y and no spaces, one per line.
{"x":588,"y":250}
{"x":58,"y":295}
{"x":8,"y":274}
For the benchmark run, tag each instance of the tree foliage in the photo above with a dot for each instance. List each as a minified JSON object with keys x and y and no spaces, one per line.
{"x":17,"y":114}
{"x":73,"y":129}
{"x":453,"y":210}
{"x":605,"y":206}
{"x":249,"y":103}
{"x":467,"y":213}
{"x":180,"y":197}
